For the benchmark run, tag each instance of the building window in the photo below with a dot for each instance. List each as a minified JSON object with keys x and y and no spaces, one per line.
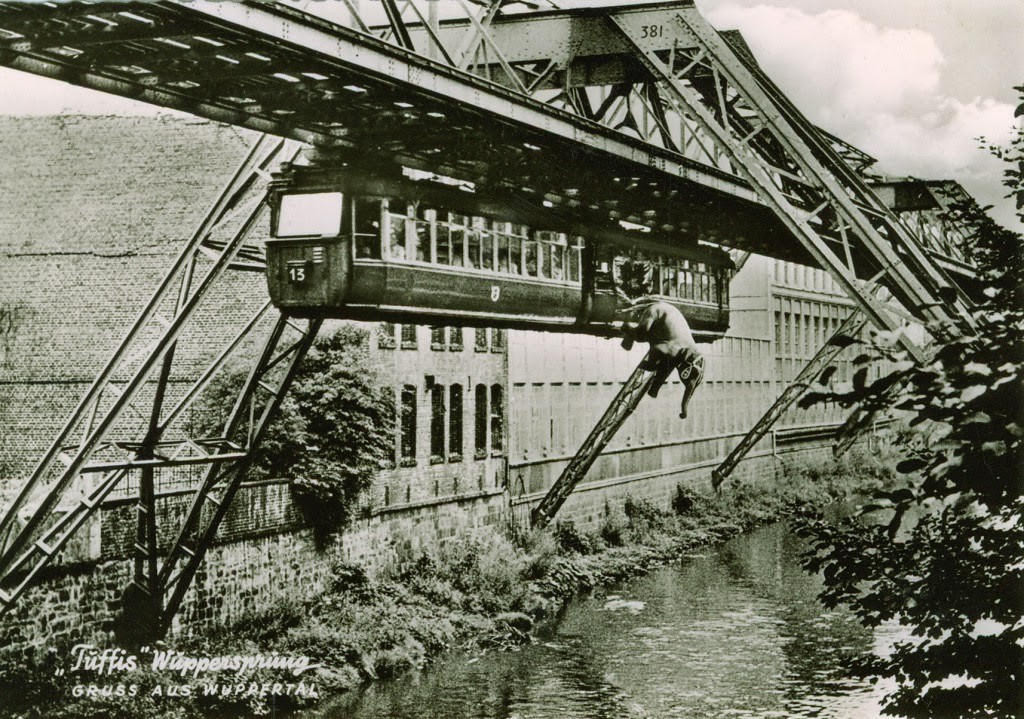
{"x":480,"y":423}
{"x":455,"y":339}
{"x":497,"y":340}
{"x":437,"y":338}
{"x":497,"y":418}
{"x":455,"y":423}
{"x":437,"y":422}
{"x":408,"y":337}
{"x":386,"y":336}
{"x":407,"y":426}
{"x":480,"y":339}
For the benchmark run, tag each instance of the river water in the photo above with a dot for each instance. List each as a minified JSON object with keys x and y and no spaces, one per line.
{"x":736,"y":631}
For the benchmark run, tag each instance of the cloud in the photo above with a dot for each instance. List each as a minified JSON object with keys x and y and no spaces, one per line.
{"x":882,"y":89}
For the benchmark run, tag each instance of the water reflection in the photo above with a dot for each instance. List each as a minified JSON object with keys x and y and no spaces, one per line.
{"x":735,"y":633}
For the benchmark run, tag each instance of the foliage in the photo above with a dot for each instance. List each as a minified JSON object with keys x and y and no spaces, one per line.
{"x":475,"y":573}
{"x":943,"y":554}
{"x":571,"y":538}
{"x":332,"y":432}
{"x":614,"y":526}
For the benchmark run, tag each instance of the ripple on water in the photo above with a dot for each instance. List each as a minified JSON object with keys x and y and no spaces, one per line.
{"x":733,"y":633}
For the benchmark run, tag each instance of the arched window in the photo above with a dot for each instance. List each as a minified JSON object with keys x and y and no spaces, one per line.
{"x":455,"y":423}
{"x":497,"y":418}
{"x":437,"y":422}
{"x":407,"y":425}
{"x":481,"y":418}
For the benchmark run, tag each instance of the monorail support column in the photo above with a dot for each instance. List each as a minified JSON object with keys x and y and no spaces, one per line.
{"x":253,"y":411}
{"x":59,"y":497}
{"x":624,"y":404}
{"x":852,"y":326}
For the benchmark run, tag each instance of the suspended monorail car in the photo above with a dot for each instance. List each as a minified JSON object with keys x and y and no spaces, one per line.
{"x":368,"y":257}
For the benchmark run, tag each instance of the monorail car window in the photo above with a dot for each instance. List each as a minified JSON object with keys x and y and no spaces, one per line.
{"x":487,"y":254}
{"x":576,"y":259}
{"x":457,"y":228}
{"x":445,"y":245}
{"x":504,"y":243}
{"x":519,"y":235}
{"x":395,"y":229}
{"x":309,"y":214}
{"x":668,"y":281}
{"x":530,"y":257}
{"x":365,"y":214}
{"x":554,"y":247}
{"x":422,"y":218}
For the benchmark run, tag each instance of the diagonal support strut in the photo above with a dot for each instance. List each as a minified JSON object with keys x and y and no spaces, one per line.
{"x":851,"y":326}
{"x":624,"y":404}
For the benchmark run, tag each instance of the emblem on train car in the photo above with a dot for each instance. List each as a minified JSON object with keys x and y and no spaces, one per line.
{"x":495,"y":293}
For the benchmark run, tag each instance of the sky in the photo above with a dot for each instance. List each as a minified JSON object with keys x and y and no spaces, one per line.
{"x":914,"y":83}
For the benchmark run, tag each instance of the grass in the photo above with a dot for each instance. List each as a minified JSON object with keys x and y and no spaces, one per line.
{"x":479,"y":590}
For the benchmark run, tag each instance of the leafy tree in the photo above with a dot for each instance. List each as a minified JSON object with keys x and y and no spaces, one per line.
{"x":944,"y":554}
{"x":332,"y":433}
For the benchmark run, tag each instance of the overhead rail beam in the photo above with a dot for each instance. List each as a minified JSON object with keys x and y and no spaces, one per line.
{"x":270,"y":67}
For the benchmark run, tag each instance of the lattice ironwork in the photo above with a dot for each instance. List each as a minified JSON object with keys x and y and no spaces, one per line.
{"x":103,"y":443}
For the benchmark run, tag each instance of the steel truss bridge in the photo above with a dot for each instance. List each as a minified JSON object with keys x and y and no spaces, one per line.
{"x":581,"y":118}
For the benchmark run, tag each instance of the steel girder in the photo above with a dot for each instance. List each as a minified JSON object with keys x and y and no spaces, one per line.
{"x":622,"y":406}
{"x":827,"y":208}
{"x":74,"y":476}
{"x":852,"y":326}
{"x":514,"y":102}
{"x":254,"y":408}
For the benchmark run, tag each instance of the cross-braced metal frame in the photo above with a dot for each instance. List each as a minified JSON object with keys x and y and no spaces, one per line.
{"x":62,"y":494}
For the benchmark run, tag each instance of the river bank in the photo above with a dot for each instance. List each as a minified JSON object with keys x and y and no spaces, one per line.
{"x":476,"y":592}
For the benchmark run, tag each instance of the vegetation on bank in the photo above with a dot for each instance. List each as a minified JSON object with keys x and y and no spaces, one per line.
{"x":943,"y":555}
{"x":484,"y":590}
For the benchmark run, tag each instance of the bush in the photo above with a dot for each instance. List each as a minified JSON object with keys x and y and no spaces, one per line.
{"x":614,"y":527}
{"x":571,"y":539}
{"x":332,"y":433}
{"x":943,"y":554}
{"x":646,"y":522}
{"x":684,"y":500}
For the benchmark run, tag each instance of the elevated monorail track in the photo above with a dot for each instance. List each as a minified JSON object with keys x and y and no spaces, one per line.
{"x":360,"y":99}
